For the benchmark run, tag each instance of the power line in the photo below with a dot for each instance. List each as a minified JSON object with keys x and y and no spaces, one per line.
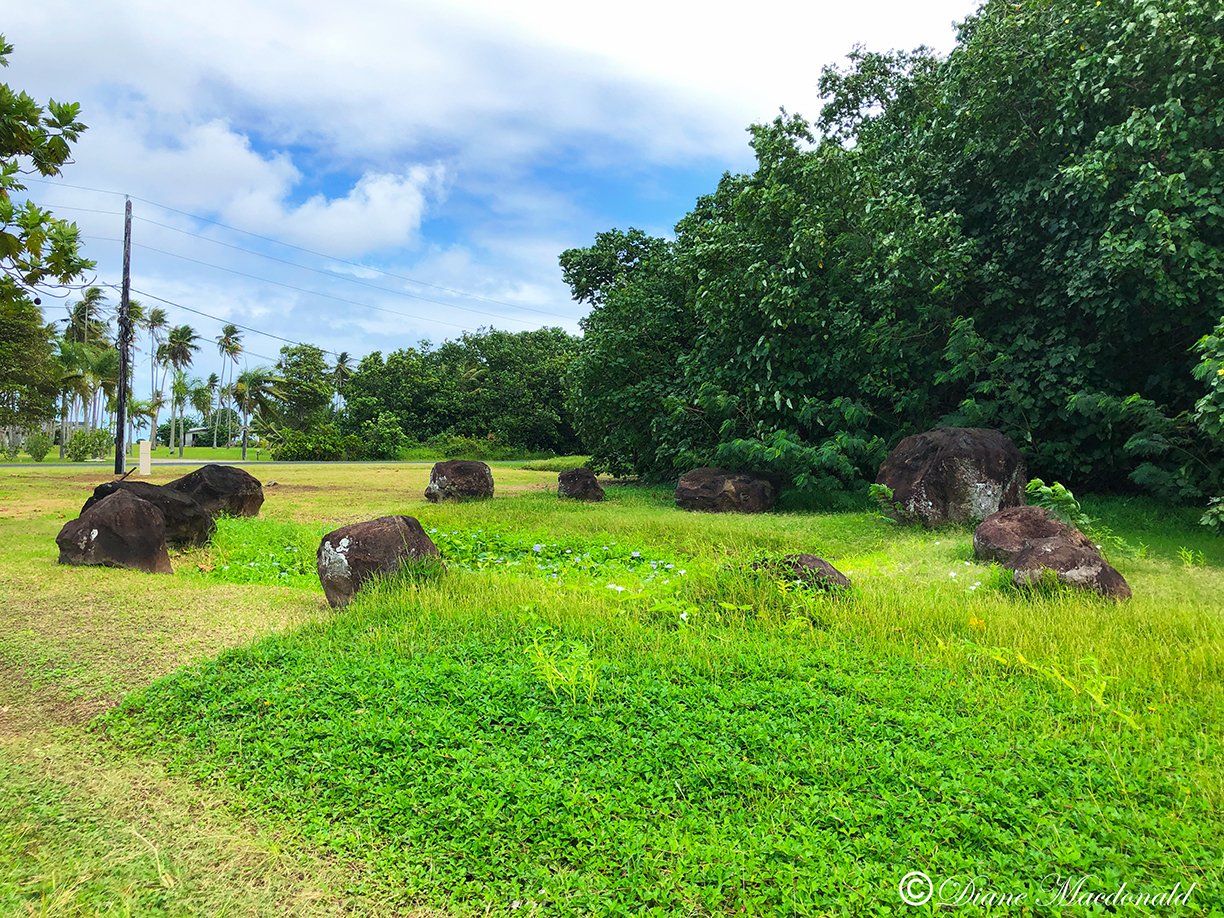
{"x":247,"y":328}
{"x":329,"y":274}
{"x":306,"y":290}
{"x":290,"y":245}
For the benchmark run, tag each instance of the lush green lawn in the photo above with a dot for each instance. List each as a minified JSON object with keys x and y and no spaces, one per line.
{"x":564,"y":721}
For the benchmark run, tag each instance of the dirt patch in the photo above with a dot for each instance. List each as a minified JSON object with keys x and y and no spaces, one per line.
{"x":26,"y":708}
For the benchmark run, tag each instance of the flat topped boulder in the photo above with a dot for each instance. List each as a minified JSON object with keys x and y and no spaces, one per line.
{"x":954,"y":475}
{"x":719,"y":491}
{"x":810,"y":570}
{"x":459,"y":479}
{"x":120,"y":530}
{"x":349,"y":556}
{"x":1071,"y":565}
{"x":579,"y":484}
{"x":1002,"y":536}
{"x":187,"y":523}
{"x":221,"y":489}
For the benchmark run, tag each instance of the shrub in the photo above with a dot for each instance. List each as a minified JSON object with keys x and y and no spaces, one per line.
{"x":38,"y":444}
{"x":322,"y":443}
{"x":89,"y":444}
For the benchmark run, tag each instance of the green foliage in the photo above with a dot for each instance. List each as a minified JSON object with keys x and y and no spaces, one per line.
{"x":382,"y":437}
{"x":305,"y":389}
{"x":37,"y":444}
{"x":1059,"y":500}
{"x":322,"y":442}
{"x":1213,"y":516}
{"x":90,"y":444}
{"x":490,"y":385}
{"x":1024,"y":235}
{"x":559,"y":464}
{"x":1209,"y":410}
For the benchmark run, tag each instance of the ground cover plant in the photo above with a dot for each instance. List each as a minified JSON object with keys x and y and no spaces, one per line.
{"x":561,"y":722}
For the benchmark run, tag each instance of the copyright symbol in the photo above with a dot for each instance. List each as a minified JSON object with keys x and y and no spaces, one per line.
{"x":916,"y":888}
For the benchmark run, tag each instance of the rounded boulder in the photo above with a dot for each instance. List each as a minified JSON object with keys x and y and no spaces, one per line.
{"x":120,"y":530}
{"x":459,"y":479}
{"x":953,"y":475}
{"x":350,"y":556}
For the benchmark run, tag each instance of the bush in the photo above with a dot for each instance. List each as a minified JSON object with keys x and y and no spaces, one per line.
{"x":90,"y":444}
{"x":381,"y":438}
{"x":322,"y":443}
{"x":38,"y":444}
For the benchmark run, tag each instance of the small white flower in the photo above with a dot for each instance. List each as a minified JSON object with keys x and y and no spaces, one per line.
{"x":537,"y":547}
{"x":613,"y":586}
{"x":951,"y":573}
{"x":966,"y":564}
{"x":684,"y":616}
{"x":635,"y":554}
{"x":683,"y":572}
{"x":669,"y":566}
{"x":435,"y":529}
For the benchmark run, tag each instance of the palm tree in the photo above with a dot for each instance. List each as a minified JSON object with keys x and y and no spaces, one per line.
{"x":155,"y":322}
{"x":181,"y":344}
{"x":180,"y":391}
{"x":341,"y":373}
{"x":229,"y":344}
{"x":213,"y":385}
{"x":254,"y":393}
{"x":85,"y":320}
{"x":201,"y":395}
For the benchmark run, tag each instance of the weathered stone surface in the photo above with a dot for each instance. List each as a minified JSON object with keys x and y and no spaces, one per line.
{"x":459,"y":479}
{"x":187,"y":523}
{"x":221,"y":489}
{"x":1072,"y":564}
{"x":351,"y":555}
{"x":1004,"y":535}
{"x":812,"y":570}
{"x":120,"y":530}
{"x":954,"y":475}
{"x":720,"y":491}
{"x":579,"y":484}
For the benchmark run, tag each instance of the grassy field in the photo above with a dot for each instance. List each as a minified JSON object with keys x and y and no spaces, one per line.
{"x":596,"y":710}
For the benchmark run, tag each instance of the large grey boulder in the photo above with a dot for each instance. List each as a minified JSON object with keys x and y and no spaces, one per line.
{"x":349,"y":556}
{"x":459,"y":479}
{"x":719,"y":491}
{"x":120,"y":530}
{"x":954,"y":475}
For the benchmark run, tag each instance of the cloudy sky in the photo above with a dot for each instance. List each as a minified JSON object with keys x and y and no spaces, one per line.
{"x":365,"y":175}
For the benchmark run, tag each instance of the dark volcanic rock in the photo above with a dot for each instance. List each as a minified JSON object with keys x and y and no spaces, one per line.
{"x":187,"y":523}
{"x":1004,"y":535}
{"x":459,"y":479}
{"x":1073,"y":565}
{"x":221,"y":489}
{"x":351,"y":555}
{"x":720,"y":491}
{"x":954,"y":475}
{"x":119,"y":531}
{"x":579,"y":484}
{"x":812,"y":570}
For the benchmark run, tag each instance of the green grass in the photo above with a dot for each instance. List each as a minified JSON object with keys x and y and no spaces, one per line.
{"x":561,"y":720}
{"x":559,"y":464}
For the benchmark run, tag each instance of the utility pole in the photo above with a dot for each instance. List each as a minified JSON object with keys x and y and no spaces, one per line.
{"x":125,"y":338}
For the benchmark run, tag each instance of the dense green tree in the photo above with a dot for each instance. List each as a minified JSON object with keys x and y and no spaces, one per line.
{"x":1026,"y":234}
{"x":507,"y":387}
{"x":306,"y":386}
{"x":36,"y":249}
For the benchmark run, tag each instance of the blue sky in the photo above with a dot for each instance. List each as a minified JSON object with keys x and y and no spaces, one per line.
{"x":459,"y":145}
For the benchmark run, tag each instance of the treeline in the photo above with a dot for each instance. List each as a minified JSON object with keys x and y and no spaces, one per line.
{"x":1027,"y":234}
{"x":488,"y":394}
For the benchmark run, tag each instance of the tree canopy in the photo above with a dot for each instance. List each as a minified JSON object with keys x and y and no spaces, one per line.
{"x":1026,"y":234}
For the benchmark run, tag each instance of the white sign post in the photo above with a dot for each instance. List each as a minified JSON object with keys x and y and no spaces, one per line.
{"x":146,"y":458}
